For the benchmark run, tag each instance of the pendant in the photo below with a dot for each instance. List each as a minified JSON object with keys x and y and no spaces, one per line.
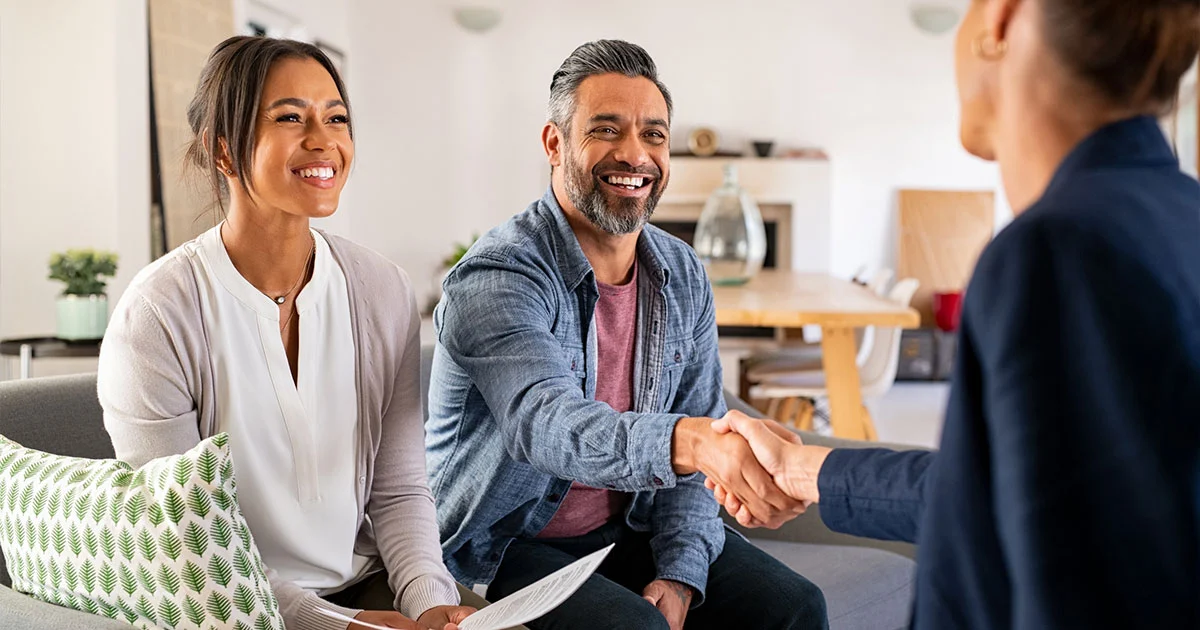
{"x":281,"y":299}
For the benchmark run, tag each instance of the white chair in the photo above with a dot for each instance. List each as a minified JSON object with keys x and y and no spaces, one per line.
{"x":877,"y":371}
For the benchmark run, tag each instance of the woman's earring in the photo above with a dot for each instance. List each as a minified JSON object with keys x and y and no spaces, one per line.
{"x":988,"y":48}
{"x":229,"y":171}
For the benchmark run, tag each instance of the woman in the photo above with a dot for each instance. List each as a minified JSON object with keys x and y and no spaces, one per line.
{"x":303,"y":346}
{"x":1067,"y":490}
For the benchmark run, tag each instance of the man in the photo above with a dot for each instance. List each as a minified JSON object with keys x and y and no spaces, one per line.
{"x":575,"y":380}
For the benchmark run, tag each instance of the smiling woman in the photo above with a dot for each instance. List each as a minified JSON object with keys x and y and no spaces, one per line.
{"x":208,"y":340}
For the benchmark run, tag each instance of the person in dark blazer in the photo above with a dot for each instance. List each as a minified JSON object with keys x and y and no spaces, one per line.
{"x":1066,"y":493}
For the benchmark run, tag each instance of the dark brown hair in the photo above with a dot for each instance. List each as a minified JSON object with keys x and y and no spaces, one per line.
{"x":1133,"y":52}
{"x":225,"y":106}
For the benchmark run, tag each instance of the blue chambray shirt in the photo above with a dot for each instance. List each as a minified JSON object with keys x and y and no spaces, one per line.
{"x":513,"y":418}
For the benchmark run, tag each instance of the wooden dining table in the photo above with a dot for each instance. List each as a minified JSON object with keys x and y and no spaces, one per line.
{"x":787,"y":299}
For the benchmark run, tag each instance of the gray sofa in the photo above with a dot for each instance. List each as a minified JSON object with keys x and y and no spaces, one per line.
{"x":867,"y":585}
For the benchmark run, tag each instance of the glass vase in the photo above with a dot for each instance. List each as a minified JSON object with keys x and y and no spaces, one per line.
{"x":730,"y":238}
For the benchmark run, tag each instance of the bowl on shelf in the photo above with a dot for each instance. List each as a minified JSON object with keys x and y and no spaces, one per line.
{"x":762,"y":148}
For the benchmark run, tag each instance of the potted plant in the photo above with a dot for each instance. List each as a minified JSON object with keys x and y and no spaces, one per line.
{"x":460,"y":250}
{"x":83,"y":305}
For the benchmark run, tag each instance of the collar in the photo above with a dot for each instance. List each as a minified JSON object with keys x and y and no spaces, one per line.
{"x":573,"y":262}
{"x":1133,"y":142}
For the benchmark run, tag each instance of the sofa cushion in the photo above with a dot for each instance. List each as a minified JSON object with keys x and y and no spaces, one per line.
{"x":56,"y":414}
{"x":161,"y":547}
{"x":865,"y":589}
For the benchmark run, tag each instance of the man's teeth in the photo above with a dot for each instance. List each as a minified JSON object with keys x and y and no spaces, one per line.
{"x":321,"y":172}
{"x":634,"y":182}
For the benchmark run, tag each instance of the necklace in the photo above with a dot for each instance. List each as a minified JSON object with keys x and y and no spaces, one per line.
{"x":303,"y":272}
{"x":281,"y":299}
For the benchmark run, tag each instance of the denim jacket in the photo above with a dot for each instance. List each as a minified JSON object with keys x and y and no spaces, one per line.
{"x":513,"y":418}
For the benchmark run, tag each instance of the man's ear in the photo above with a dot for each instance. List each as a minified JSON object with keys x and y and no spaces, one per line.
{"x":553,"y":144}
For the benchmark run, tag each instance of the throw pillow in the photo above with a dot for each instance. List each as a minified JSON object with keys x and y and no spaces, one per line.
{"x":164,"y":546}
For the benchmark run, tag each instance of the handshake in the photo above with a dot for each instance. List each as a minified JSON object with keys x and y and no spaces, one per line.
{"x":758,"y":469}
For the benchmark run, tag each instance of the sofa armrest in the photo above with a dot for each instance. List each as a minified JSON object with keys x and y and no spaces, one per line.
{"x":809,"y":528}
{"x":21,"y":611}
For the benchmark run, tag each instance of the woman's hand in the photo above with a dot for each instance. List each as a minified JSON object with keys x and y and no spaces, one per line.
{"x":444,"y":617}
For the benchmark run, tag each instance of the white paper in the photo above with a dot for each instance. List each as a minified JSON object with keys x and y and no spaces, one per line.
{"x":525,"y":605}
{"x":538,"y":598}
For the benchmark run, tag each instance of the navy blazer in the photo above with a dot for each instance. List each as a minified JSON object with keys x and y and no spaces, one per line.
{"x":1066,"y":493}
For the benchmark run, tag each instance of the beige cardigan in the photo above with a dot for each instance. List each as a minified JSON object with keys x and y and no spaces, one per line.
{"x":155,"y":384}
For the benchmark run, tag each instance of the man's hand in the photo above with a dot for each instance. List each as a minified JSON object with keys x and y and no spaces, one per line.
{"x":444,"y":617}
{"x":385,"y":618}
{"x":672,"y":599}
{"x":727,"y":460}
{"x":793,"y":465}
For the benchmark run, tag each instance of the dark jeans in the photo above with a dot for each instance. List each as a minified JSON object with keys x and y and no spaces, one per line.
{"x":746,"y":587}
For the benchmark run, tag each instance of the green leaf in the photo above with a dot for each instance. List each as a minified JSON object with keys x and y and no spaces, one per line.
{"x":63,"y":473}
{"x":39,"y":500}
{"x":128,"y":581}
{"x":168,"y":579}
{"x":55,"y":572}
{"x":109,"y":610}
{"x":183,"y":471}
{"x":40,"y":570}
{"x":107,"y":579}
{"x":206,"y":467}
{"x":222,"y":499}
{"x":195,"y":539}
{"x":146,"y":546}
{"x":222,"y":533}
{"x":220,"y":571}
{"x":227,"y":469}
{"x":199,"y":502}
{"x":78,"y":475}
{"x":129,"y":613}
{"x":238,"y":625}
{"x":26,"y":498}
{"x":107,"y":544}
{"x":58,"y":538}
{"x":193,"y":576}
{"x":21,"y":532}
{"x":70,"y":575}
{"x":146,"y":610}
{"x":74,"y":541}
{"x":169,"y":612}
{"x":90,"y":606}
{"x":89,"y":541}
{"x":82,"y":504}
{"x":135,"y":507}
{"x":139,"y":479}
{"x":52,"y":469}
{"x":147,"y":580}
{"x":99,"y":507}
{"x":243,"y":599}
{"x":116,"y":508}
{"x":7,"y":461}
{"x":263,"y":623}
{"x":241,"y":563}
{"x":122,"y":479}
{"x":43,"y":532}
{"x":219,"y":606}
{"x":126,"y":545}
{"x":243,"y":532}
{"x":193,"y":610}
{"x":54,"y":505}
{"x":34,"y":468}
{"x":20,"y":465}
{"x":69,"y":601}
{"x":170,"y":544}
{"x":87,"y":576}
{"x":155,"y":514}
{"x":174,"y":507}
{"x":220,"y":440}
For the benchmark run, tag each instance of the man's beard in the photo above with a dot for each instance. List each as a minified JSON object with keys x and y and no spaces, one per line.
{"x":623,"y":215}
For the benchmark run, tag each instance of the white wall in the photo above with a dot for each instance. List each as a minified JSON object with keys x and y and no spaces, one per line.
{"x":449,"y":121}
{"x":74,"y":147}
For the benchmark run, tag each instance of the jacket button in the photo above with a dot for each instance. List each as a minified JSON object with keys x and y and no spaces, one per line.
{"x":554,"y":498}
{"x":678,"y":356}
{"x":658,"y":482}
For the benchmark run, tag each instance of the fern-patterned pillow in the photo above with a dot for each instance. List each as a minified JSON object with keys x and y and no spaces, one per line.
{"x":164,"y":546}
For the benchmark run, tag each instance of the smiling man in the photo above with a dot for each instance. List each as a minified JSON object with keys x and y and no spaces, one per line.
{"x":573,"y":384}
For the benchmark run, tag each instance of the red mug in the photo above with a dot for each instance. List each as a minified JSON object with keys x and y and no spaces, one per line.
{"x":947,"y":309}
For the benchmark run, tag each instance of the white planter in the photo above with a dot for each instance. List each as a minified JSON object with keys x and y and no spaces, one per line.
{"x":82,"y":317}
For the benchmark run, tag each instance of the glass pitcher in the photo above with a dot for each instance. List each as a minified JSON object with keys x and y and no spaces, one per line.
{"x":730,"y":238}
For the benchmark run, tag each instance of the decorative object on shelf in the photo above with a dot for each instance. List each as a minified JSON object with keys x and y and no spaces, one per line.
{"x":83,"y":305}
{"x":477,"y":19}
{"x":935,"y":18}
{"x":762,"y":148}
{"x":730,"y":237}
{"x":703,"y":142}
{"x":807,"y":153}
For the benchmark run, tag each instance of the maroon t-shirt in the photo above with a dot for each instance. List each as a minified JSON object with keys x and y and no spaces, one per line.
{"x":585,"y":508}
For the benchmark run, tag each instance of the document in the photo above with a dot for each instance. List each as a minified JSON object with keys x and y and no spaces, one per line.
{"x":525,"y":605}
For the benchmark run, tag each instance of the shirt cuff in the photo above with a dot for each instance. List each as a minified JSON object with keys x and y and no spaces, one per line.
{"x":308,"y":617}
{"x":427,"y":592}
{"x":650,"y":452}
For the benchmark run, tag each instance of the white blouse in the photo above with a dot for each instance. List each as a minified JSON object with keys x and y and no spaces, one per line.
{"x":293,"y":444}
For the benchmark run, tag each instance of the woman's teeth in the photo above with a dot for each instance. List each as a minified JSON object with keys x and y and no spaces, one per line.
{"x":631,"y":183}
{"x":321,"y":172}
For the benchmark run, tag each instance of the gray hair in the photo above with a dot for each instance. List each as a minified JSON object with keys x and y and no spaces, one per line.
{"x":599,"y":57}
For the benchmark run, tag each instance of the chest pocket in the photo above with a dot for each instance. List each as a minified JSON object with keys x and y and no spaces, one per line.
{"x":678,"y":355}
